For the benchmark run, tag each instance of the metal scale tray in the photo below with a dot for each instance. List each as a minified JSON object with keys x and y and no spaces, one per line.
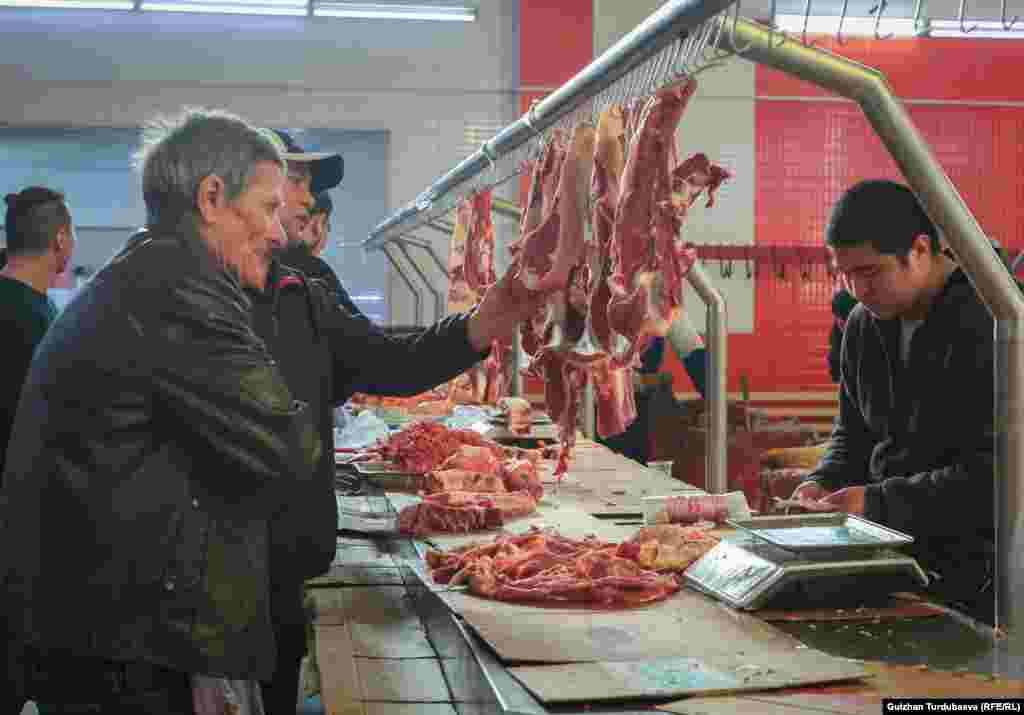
{"x":823,"y":556}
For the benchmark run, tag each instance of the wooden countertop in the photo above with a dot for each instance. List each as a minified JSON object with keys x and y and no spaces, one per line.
{"x":374,"y":657}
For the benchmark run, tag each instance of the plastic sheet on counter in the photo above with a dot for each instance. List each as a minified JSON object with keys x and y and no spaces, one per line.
{"x":474,"y":417}
{"x":363,"y":430}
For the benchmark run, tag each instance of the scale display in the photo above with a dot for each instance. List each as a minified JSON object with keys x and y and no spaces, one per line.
{"x":747,"y":573}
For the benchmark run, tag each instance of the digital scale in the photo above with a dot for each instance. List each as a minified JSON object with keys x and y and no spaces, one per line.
{"x":825,"y":558}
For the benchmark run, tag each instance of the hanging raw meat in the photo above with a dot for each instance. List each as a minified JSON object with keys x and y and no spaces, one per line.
{"x":648,"y":262}
{"x":600,"y":237}
{"x":471,"y":272}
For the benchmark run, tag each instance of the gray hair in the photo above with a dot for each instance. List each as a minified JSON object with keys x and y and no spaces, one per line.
{"x":178,"y":152}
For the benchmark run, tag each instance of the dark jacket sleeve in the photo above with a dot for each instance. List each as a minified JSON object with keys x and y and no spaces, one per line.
{"x":217,"y":378}
{"x":957,"y":498}
{"x":368,"y":360}
{"x":835,"y":348}
{"x":848,"y":455}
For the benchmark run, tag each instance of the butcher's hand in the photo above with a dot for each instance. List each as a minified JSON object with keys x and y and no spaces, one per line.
{"x":850,"y":500}
{"x":809,"y":491}
{"x":505,"y":304}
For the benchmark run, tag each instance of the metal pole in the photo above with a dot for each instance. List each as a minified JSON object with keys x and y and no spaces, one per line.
{"x":717,"y":464}
{"x":589,"y":410}
{"x":986,"y":271}
{"x":438,"y":297}
{"x":418,"y":301}
{"x":429,"y":248}
{"x":654,"y":34}
{"x":517,"y":357}
{"x":505,"y":208}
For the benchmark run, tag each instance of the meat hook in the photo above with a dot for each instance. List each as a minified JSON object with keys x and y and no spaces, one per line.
{"x":807,"y":18}
{"x":842,"y":19}
{"x":806,"y":267}
{"x":735,"y":24}
{"x":963,"y":12}
{"x":1008,"y":25}
{"x":780,"y":266}
{"x":879,"y":9}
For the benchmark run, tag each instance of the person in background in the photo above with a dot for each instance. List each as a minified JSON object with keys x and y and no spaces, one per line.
{"x":842,"y":303}
{"x":40,"y":241}
{"x":155,"y":428}
{"x":318,"y":228}
{"x":686,"y":343}
{"x":913,"y":444}
{"x":327,"y":350}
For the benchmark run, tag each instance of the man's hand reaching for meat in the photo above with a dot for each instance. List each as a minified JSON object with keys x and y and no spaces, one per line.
{"x":505,"y":305}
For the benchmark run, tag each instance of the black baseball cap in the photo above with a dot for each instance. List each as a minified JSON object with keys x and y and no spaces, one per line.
{"x":326,"y":169}
{"x":322,"y":204}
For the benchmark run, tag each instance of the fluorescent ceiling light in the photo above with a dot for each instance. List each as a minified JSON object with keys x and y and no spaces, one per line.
{"x":233,"y":7}
{"x":983,"y":29}
{"x":852,"y":26}
{"x":394,"y":11}
{"x":73,"y":4}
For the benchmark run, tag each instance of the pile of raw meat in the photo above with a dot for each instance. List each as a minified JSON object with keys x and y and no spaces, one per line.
{"x":423,"y":446}
{"x":471,"y":272}
{"x":469,"y":483}
{"x":600,"y":236}
{"x":542,"y":566}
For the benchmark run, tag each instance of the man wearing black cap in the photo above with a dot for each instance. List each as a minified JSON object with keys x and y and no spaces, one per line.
{"x":307,"y":208}
{"x":326,"y":352}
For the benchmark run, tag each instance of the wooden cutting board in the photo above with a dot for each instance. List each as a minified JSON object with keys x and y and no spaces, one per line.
{"x":687,"y":624}
{"x":666,"y":677}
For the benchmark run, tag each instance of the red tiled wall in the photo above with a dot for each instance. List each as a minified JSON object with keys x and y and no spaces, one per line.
{"x":809,"y":152}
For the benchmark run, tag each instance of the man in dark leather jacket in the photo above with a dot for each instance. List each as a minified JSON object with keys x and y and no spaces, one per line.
{"x":155,"y":441}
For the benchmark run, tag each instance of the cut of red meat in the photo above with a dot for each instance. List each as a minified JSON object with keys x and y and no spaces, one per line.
{"x":473,"y":458}
{"x":521,"y":475}
{"x":453,"y":480}
{"x":423,"y":446}
{"x":456,"y":512}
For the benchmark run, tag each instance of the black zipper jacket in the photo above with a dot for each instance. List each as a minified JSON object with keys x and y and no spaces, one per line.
{"x":154,"y":443}
{"x":326,"y":354}
{"x":920,"y":436}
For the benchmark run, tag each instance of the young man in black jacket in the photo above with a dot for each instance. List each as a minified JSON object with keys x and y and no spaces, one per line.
{"x":913,"y":444}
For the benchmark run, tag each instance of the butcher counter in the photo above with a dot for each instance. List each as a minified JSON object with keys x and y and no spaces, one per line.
{"x":386,"y":644}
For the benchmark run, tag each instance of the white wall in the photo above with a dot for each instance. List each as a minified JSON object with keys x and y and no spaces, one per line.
{"x":421,"y":81}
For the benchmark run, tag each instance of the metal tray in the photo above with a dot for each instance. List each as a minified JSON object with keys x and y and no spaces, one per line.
{"x":378,"y":468}
{"x":822,"y":534}
{"x":389,"y":476}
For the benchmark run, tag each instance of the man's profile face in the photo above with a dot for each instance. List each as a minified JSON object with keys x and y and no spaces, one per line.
{"x":250,"y":228}
{"x":297,"y":200}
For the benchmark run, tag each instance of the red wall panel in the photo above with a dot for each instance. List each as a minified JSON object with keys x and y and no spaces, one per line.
{"x":808,"y":153}
{"x":556,"y":40}
{"x":950,"y":69}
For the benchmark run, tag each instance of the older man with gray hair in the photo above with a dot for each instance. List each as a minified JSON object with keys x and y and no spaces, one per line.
{"x":154,"y":442}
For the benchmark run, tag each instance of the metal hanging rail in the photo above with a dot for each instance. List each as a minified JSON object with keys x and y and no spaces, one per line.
{"x":654,"y":34}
